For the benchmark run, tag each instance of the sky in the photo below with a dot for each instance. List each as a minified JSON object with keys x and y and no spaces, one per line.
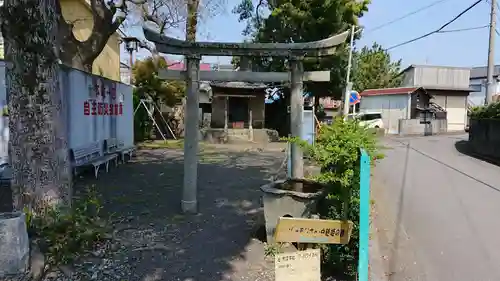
{"x":467,"y":48}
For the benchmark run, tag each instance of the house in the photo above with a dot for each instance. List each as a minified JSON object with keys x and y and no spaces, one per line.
{"x":441,"y":90}
{"x":330,"y":106}
{"x":478,"y":83}
{"x":238,"y":105}
{"x":125,"y":73}
{"x":205,"y":91}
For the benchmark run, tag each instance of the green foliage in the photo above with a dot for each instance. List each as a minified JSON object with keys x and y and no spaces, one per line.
{"x":64,"y":234}
{"x":373,"y":69}
{"x":244,"y":10}
{"x":337,"y":152}
{"x":142,"y":122}
{"x":302,"y":21}
{"x":148,"y":84}
{"x":491,"y":111}
{"x":270,"y":250}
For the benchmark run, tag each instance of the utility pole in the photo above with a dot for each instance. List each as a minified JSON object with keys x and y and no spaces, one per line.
{"x":491,"y":54}
{"x":348,"y":87}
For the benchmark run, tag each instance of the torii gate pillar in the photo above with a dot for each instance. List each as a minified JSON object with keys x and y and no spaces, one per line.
{"x":296,"y":112}
{"x":189,"y":203}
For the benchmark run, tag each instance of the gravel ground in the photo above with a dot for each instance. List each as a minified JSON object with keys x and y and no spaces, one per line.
{"x":156,"y":242}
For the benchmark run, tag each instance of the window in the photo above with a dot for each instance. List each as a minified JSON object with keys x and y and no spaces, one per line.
{"x":476,"y":87}
{"x":370,"y":116}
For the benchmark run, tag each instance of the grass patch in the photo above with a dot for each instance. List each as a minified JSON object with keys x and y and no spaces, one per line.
{"x":212,"y":158}
{"x":161,"y":144}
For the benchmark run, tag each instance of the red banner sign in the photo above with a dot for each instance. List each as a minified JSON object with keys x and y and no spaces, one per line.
{"x":96,"y":104}
{"x":93,"y":107}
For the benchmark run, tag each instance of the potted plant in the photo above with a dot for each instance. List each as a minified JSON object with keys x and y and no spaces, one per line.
{"x":281,"y":198}
{"x":333,"y":194}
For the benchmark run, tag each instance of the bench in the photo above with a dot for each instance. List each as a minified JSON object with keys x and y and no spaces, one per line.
{"x":90,"y":155}
{"x":117,"y":146}
{"x":112,"y":147}
{"x":129,"y":150}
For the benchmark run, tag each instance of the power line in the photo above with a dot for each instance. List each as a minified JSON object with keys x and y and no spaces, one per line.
{"x":407,"y":15}
{"x":463,"y":29}
{"x":498,"y":18}
{"x":437,"y":30}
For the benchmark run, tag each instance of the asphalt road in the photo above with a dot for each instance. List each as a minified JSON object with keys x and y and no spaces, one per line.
{"x":438,"y":211}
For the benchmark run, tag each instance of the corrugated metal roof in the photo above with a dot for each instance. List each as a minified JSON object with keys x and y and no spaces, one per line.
{"x":480,"y":72}
{"x":388,"y":91}
{"x":407,"y":90}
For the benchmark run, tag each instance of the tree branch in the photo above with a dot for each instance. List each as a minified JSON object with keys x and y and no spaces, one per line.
{"x":105,"y":25}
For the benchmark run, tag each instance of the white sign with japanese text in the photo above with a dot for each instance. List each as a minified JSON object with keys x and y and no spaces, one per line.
{"x":298,"y":266}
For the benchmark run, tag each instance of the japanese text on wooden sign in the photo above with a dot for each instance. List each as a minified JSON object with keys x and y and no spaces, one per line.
{"x":96,"y":104}
{"x":298,"y":266}
{"x":313,"y":231}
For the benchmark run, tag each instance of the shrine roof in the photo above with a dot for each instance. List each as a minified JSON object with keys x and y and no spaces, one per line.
{"x":239,"y":85}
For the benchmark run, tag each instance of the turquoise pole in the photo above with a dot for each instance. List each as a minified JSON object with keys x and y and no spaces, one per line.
{"x":364,"y":216}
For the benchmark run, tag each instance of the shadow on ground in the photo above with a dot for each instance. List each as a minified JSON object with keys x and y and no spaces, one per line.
{"x":161,"y":244}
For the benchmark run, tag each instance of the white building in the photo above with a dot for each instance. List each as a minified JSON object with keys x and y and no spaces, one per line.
{"x":478,"y":83}
{"x":443,"y":90}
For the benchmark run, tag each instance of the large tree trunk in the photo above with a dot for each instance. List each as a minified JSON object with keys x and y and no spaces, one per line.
{"x":81,"y":55}
{"x":41,"y":175}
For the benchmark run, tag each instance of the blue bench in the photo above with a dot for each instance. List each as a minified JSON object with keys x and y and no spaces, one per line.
{"x":90,"y":155}
{"x":129,"y":150}
{"x":116,"y":146}
{"x":112,"y":148}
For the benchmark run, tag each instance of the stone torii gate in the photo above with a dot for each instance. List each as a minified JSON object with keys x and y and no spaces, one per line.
{"x":294,"y":52}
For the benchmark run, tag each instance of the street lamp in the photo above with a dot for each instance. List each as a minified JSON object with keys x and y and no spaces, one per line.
{"x":131,"y":45}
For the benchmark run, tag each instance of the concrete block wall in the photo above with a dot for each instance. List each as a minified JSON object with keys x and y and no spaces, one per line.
{"x":484,"y":137}
{"x":413,"y":127}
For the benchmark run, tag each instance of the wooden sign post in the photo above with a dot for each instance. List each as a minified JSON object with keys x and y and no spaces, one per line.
{"x":313,"y":231}
{"x":306,"y":265}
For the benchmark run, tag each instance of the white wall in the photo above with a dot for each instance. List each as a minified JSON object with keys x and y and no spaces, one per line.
{"x":125,"y":124}
{"x":84,"y":129}
{"x":452,"y":77}
{"x":3,"y":96}
{"x":456,"y":108}
{"x":408,"y":78}
{"x":477,"y":98}
{"x":392,"y":107}
{"x":76,"y":88}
